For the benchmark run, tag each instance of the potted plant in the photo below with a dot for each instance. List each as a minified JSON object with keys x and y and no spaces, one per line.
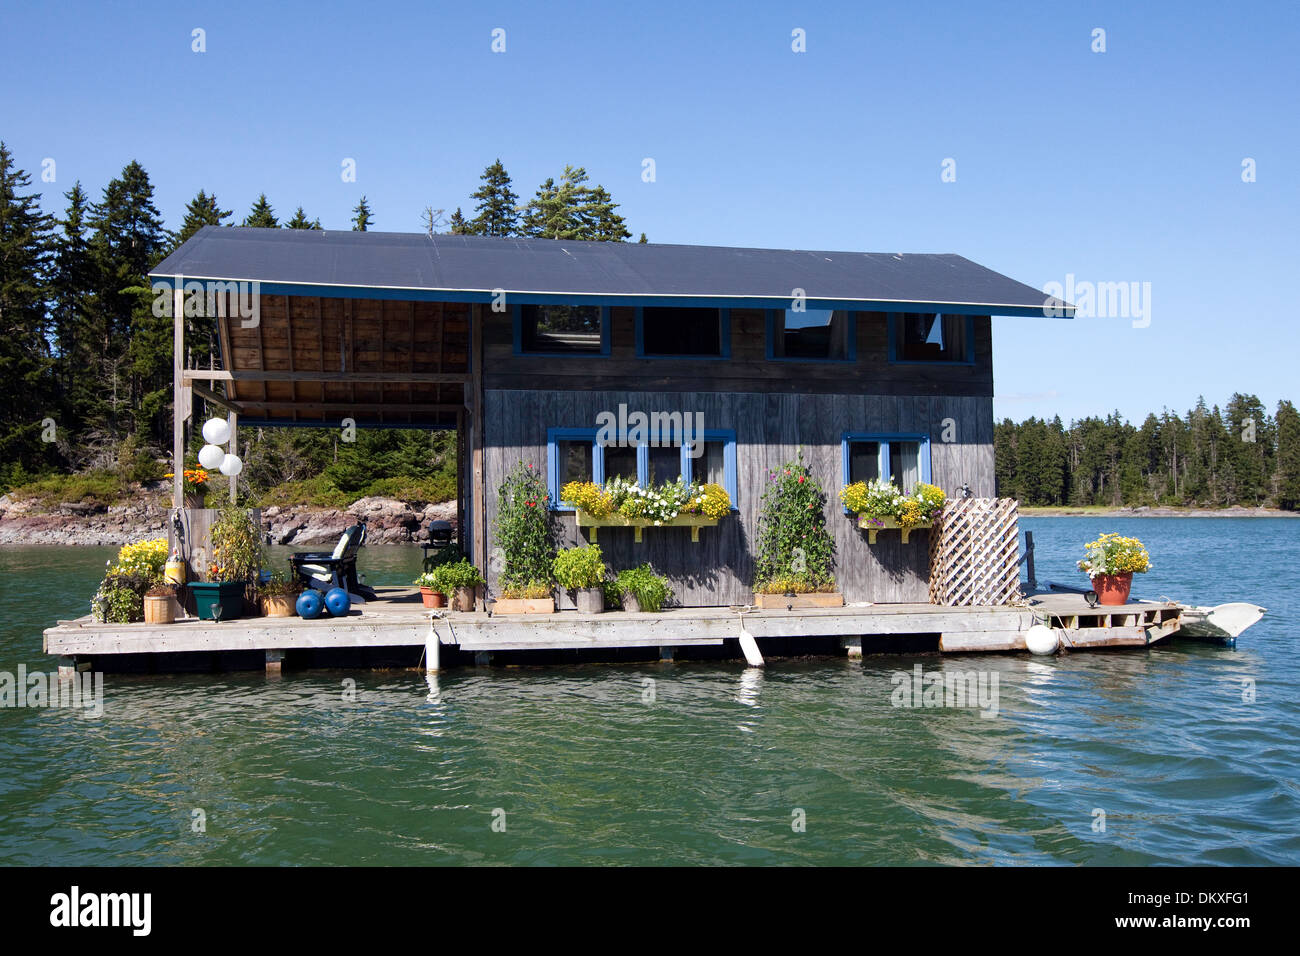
{"x":430,"y":593}
{"x":795,"y":556}
{"x":458,"y":579}
{"x":194,"y":483}
{"x":1111,"y":561}
{"x":582,"y":570}
{"x":236,"y":559}
{"x":279,"y":595}
{"x":642,"y":590}
{"x":121,"y":597}
{"x":881,"y":504}
{"x":622,"y":503}
{"x":523,"y":532}
{"x":160,"y":604}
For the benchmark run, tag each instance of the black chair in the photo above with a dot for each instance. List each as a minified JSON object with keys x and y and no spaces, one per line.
{"x":323,"y":570}
{"x":442,"y":548}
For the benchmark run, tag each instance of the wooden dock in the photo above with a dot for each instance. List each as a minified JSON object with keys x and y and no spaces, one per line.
{"x":397,"y":620}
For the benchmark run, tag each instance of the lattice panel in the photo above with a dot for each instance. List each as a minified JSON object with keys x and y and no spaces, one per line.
{"x":974,"y":553}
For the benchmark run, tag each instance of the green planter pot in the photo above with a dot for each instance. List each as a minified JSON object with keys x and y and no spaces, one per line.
{"x":208,"y":595}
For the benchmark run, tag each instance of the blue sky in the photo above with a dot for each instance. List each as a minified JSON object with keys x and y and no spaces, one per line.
{"x":1122,"y":166}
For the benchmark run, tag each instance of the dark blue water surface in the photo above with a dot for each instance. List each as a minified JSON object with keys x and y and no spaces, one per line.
{"x":684,"y":763}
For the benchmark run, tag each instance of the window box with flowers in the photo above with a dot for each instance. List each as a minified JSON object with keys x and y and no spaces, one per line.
{"x":621,"y":503}
{"x":881,"y":505}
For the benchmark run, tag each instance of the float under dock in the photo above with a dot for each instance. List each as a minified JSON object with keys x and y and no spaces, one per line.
{"x":399,"y":620}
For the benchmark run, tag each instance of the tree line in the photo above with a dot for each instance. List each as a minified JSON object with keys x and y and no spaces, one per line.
{"x":1208,"y":457}
{"x":86,"y":365}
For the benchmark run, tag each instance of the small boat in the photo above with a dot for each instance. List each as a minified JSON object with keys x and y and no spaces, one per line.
{"x":1222,"y":622}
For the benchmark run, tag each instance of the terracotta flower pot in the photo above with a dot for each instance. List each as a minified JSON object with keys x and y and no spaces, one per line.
{"x":1113,"y":588}
{"x":432,"y":598}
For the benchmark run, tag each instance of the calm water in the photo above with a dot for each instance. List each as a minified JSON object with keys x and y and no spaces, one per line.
{"x":711,"y":771}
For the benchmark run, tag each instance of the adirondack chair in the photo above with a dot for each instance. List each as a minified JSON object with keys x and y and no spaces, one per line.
{"x":335,"y":569}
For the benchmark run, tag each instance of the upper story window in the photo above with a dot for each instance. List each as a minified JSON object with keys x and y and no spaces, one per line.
{"x":931,"y":337}
{"x":561,"y":330}
{"x":902,"y":459}
{"x":663,"y":331}
{"x":810,"y":335}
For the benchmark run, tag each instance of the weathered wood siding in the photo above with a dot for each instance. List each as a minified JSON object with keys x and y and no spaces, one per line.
{"x":770,"y":429}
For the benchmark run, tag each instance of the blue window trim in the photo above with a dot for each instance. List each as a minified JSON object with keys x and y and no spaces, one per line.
{"x":556,"y":435}
{"x":728,"y":439}
{"x":884,"y":438}
{"x":553,"y":438}
{"x":518,"y":325}
{"x":852,"y":344}
{"x":892,"y":318}
{"x":724,"y":319}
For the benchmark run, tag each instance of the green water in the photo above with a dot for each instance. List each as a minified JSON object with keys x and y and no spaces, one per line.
{"x":681,"y":763}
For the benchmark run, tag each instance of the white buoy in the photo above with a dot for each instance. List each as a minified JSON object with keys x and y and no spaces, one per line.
{"x":1041,"y":639}
{"x":750,"y":648}
{"x":211,"y":456}
{"x":216,"y":431}
{"x":231,"y":466}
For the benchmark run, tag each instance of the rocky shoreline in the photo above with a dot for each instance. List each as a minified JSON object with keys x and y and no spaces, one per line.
{"x":389,"y":522}
{"x":1146,"y":511}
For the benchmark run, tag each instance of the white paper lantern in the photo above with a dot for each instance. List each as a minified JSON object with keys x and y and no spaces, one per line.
{"x":231,"y":466}
{"x":216,"y":431}
{"x":211,"y":456}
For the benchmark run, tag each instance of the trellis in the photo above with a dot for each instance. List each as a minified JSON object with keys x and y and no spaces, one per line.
{"x":974,"y":553}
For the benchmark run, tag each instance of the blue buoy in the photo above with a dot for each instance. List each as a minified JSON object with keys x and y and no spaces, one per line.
{"x":338,"y":602}
{"x":310,"y":604}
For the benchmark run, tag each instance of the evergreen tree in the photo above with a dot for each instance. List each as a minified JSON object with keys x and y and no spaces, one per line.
{"x":602,"y":223}
{"x":496,"y":210}
{"x":300,"y":221}
{"x":25,"y":393}
{"x":361,"y":218}
{"x":72,"y":305}
{"x":1287,"y":478}
{"x":573,"y":210}
{"x":642,"y":239}
{"x":262,"y":216}
{"x":202,"y":211}
{"x":459,"y":227}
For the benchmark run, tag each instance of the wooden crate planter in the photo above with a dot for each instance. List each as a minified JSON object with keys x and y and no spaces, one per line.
{"x":694,"y":522}
{"x":888,"y":524}
{"x":815,"y":599}
{"x":524,"y":606}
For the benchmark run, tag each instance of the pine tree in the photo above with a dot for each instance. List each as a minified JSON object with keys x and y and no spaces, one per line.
{"x":459,"y":227}
{"x":361,"y":218}
{"x":1287,"y":477}
{"x":262,"y":216}
{"x":496,"y":210}
{"x":300,"y":221}
{"x":72,"y":305}
{"x":642,"y":240}
{"x":603,"y":224}
{"x":25,"y":392}
{"x":546,"y":215}
{"x":202,"y":211}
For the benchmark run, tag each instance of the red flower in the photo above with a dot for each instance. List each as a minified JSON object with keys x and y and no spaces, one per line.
{"x":801,"y":479}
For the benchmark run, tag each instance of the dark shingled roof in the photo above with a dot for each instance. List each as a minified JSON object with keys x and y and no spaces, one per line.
{"x":477,"y":265}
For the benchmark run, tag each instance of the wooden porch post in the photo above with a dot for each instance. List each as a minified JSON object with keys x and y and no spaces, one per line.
{"x":178,"y":394}
{"x":479,"y":515}
{"x":232,"y":419}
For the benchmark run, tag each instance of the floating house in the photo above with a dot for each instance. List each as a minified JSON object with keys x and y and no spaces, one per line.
{"x":714,"y":363}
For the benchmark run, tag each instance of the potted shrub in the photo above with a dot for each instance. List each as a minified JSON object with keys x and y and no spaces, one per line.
{"x":458,"y":579}
{"x":795,"y":554}
{"x":523,"y":532}
{"x":120,"y":598}
{"x":429,"y":591}
{"x":1111,"y":561}
{"x":236,"y":559}
{"x":279,"y":596}
{"x":642,"y":590}
{"x":582,"y":570}
{"x":194,"y":483}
